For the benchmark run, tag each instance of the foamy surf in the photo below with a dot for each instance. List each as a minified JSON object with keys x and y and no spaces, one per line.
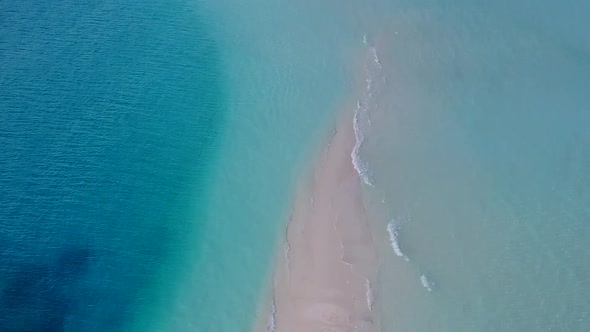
{"x":393,"y":230}
{"x":376,"y":57}
{"x":369,"y":295}
{"x":373,"y":68}
{"x":271,"y":325}
{"x":426,"y":283}
{"x":360,"y":165}
{"x":287,"y":251}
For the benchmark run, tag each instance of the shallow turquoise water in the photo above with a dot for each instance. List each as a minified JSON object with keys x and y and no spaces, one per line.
{"x":481,"y":157}
{"x":281,"y":97}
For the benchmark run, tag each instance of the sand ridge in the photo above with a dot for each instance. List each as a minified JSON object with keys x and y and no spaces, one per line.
{"x":322,"y":282}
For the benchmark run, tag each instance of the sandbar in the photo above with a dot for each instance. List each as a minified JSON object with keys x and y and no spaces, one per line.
{"x":323,"y":278}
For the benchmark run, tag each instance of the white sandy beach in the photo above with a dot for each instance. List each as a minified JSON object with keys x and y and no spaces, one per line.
{"x":322,"y":281}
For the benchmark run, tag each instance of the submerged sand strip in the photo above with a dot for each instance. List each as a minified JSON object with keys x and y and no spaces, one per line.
{"x":322,"y":282}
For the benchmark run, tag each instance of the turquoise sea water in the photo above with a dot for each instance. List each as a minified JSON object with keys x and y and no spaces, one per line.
{"x":481,"y":154}
{"x":149,"y":152}
{"x":109,"y":113}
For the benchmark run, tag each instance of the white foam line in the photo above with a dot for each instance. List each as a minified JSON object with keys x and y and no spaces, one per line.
{"x":426,"y":282}
{"x":358,"y":163}
{"x":393,"y":230}
{"x":369,"y":294}
{"x":362,"y":112}
{"x":369,"y":82}
{"x":287,"y":252}
{"x":288,"y":249}
{"x":376,"y":57}
{"x":271,"y":325}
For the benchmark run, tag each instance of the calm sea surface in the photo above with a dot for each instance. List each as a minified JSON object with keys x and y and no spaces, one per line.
{"x":149,"y":152}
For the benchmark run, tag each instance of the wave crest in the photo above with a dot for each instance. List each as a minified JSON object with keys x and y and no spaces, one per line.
{"x":393,"y":230}
{"x":373,"y":70}
{"x":427,"y":283}
{"x":359,"y":164}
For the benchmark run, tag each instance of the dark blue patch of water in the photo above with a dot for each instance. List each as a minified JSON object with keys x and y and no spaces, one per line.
{"x":108,"y":116}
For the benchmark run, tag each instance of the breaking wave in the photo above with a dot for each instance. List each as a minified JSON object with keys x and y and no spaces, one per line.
{"x":358,"y":163}
{"x":426,"y":283}
{"x":393,"y":230}
{"x":373,"y":69}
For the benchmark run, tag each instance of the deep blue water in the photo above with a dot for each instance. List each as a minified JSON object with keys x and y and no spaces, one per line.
{"x":108,"y":116}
